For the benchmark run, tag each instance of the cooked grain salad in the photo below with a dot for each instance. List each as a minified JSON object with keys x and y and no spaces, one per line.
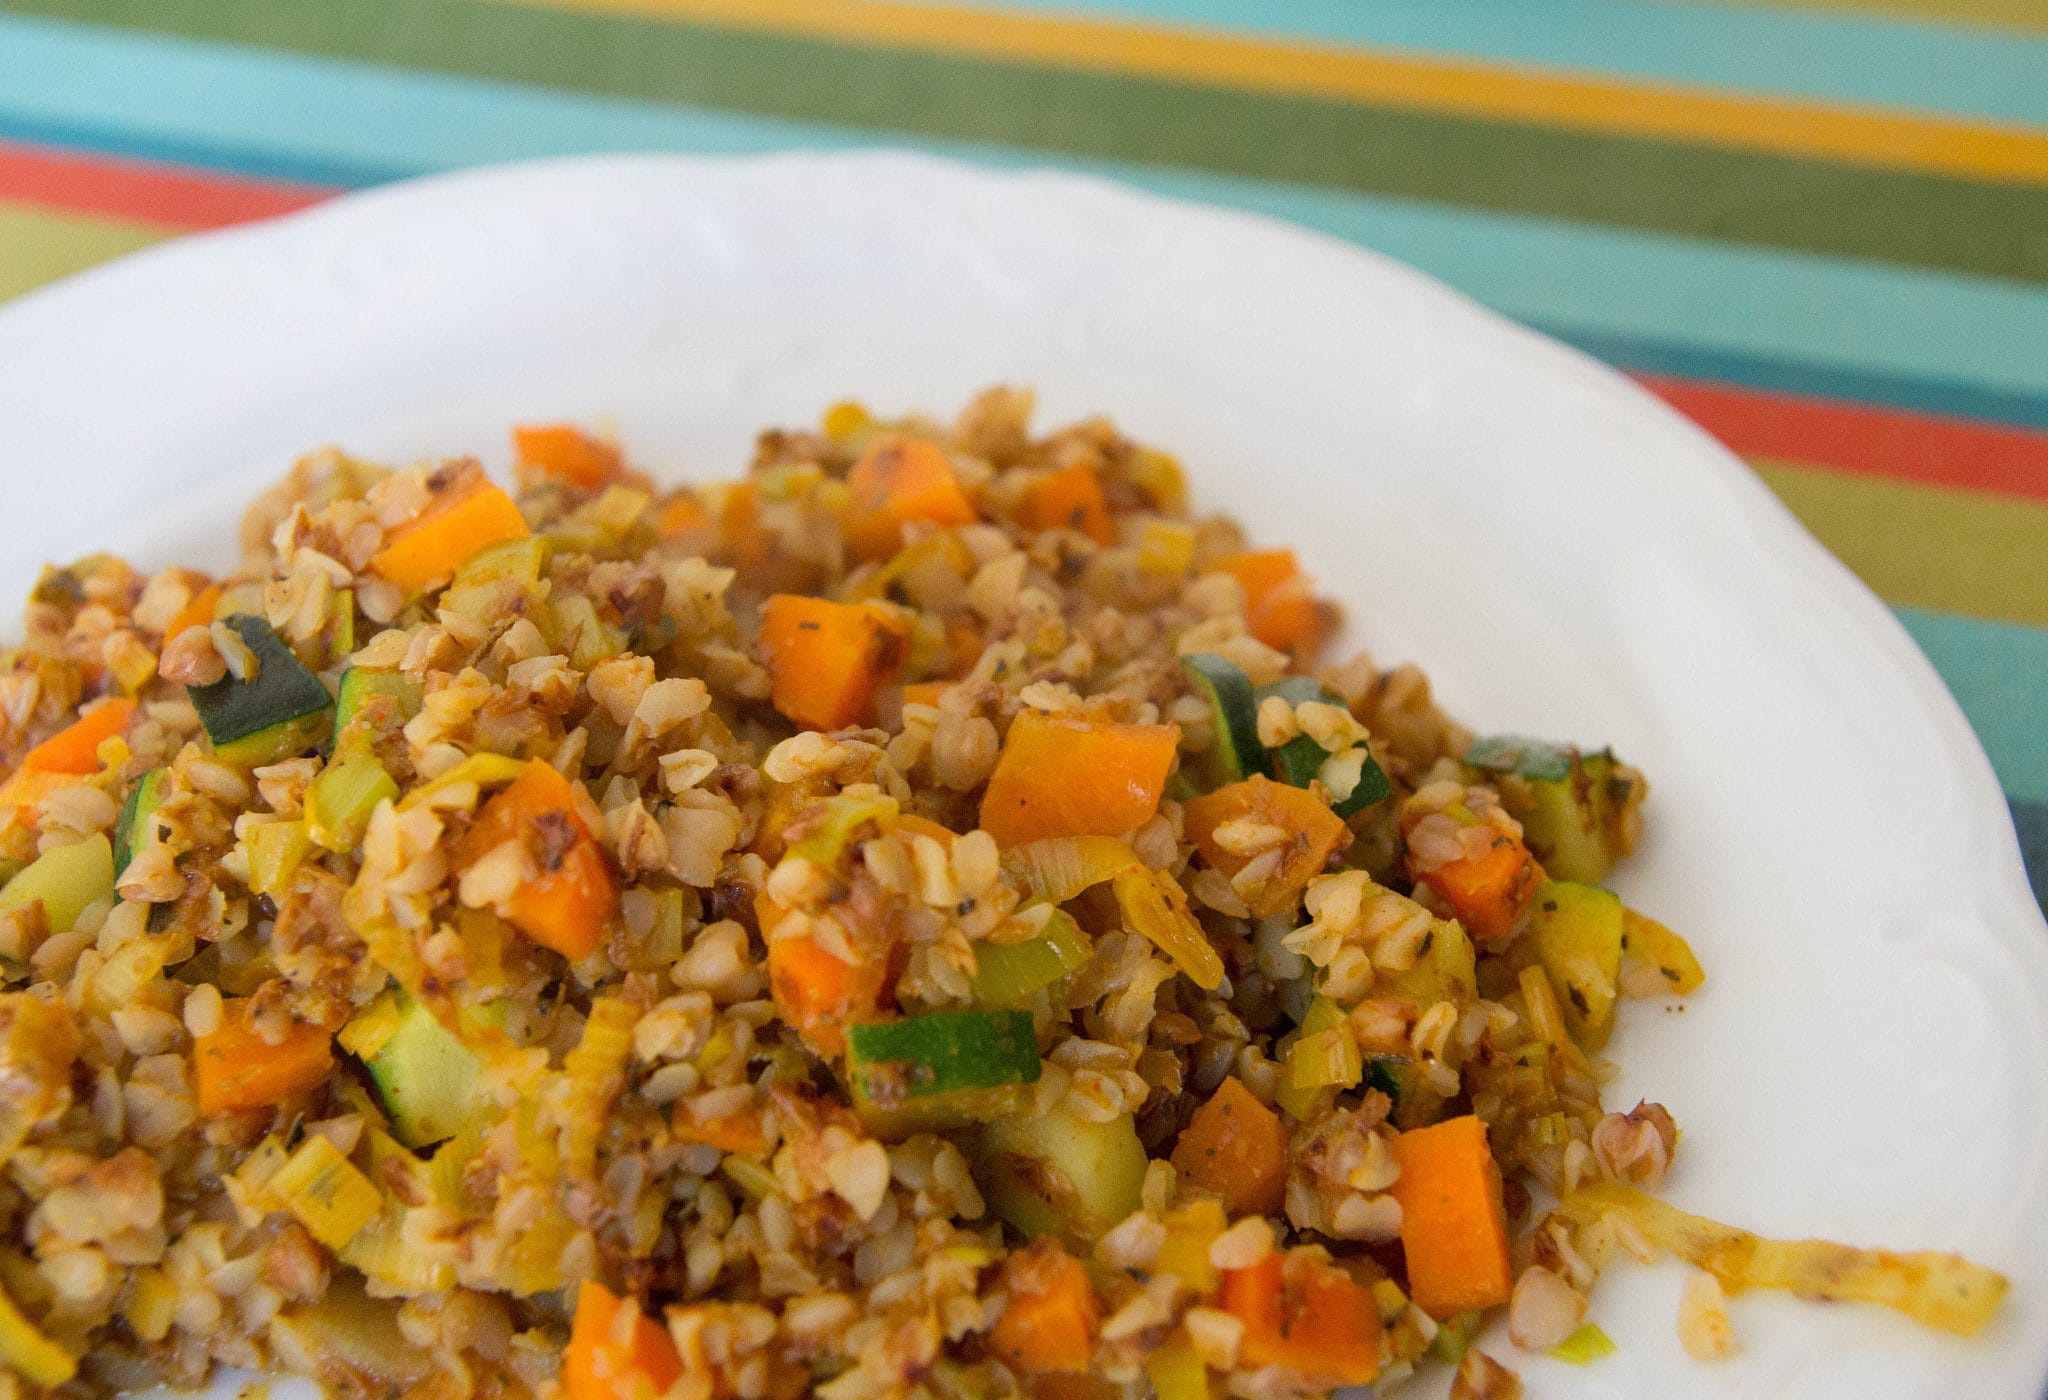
{"x":925,"y":919}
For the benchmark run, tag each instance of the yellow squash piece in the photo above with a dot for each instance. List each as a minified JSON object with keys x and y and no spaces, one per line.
{"x":1643,"y":937}
{"x":1577,"y":930}
{"x":66,"y":879}
{"x":324,"y":1190}
{"x":25,"y":1349}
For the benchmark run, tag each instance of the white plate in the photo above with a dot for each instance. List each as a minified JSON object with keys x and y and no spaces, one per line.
{"x":1567,"y":557}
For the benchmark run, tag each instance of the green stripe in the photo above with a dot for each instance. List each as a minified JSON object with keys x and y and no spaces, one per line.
{"x":1737,"y":196}
{"x":38,"y":246}
{"x":1998,"y":14}
{"x":1930,"y":547}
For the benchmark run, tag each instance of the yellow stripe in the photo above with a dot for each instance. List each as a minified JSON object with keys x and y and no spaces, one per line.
{"x":1855,"y":135}
{"x":1927,"y":547}
{"x":37,"y":246}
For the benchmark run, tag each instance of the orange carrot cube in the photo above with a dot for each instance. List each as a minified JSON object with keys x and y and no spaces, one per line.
{"x":826,"y":660}
{"x":1069,"y":777}
{"x":1454,"y":1228}
{"x":898,"y":481}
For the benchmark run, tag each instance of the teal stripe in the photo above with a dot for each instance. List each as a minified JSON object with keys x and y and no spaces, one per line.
{"x":326,"y":119}
{"x":1944,"y":397}
{"x":1884,"y":62}
{"x":2030,"y":819}
{"x":1998,"y":673}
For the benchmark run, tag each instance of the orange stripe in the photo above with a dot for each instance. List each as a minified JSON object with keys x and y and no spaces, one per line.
{"x":1854,"y":133}
{"x":141,"y":191}
{"x":1853,"y":437}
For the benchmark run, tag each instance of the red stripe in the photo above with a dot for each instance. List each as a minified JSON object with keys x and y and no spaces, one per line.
{"x":174,"y":196}
{"x":1854,"y":437}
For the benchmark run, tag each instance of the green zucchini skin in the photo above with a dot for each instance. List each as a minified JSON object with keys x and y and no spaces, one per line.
{"x":281,"y":711}
{"x":1577,"y":809}
{"x":1297,"y":761}
{"x":941,"y":1071}
{"x":1536,"y":760}
{"x":943,"y":1053}
{"x":1373,"y":786}
{"x":1300,"y":760}
{"x":1237,"y":753}
{"x":1384,"y":1073}
{"x":1234,"y":706}
{"x":139,"y":808}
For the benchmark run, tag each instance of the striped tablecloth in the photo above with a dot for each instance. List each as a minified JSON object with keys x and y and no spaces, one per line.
{"x":1821,"y":229}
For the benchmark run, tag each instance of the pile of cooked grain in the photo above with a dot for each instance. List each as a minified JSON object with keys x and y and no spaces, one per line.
{"x":609,"y":942}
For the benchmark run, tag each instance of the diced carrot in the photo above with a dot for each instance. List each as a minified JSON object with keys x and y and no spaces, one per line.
{"x":568,"y":905}
{"x":1303,"y":1312}
{"x":615,"y":1358}
{"x":735,"y":1132}
{"x":467,"y":514}
{"x":1491,"y":891}
{"x":898,"y":481}
{"x":682,"y":514}
{"x":76,"y":747}
{"x":1314,"y":834}
{"x":1454,"y":1229}
{"x":235,"y":1068}
{"x":572,"y":898}
{"x":196,"y":613}
{"x":1236,"y":1147}
{"x":567,"y":453}
{"x":826,"y":660}
{"x":819,"y":993}
{"x":1049,"y":1323}
{"x":1069,"y":777}
{"x":964,"y":643}
{"x":1068,"y":499}
{"x":925,"y":692}
{"x":1278,"y":606}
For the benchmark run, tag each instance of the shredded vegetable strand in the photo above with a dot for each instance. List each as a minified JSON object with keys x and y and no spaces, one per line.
{"x":592,"y":1076}
{"x":1060,"y":868}
{"x":1153,"y":905}
{"x":1943,"y":1291}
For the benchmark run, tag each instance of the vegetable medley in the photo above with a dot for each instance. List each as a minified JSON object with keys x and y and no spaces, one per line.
{"x":924,"y":919}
